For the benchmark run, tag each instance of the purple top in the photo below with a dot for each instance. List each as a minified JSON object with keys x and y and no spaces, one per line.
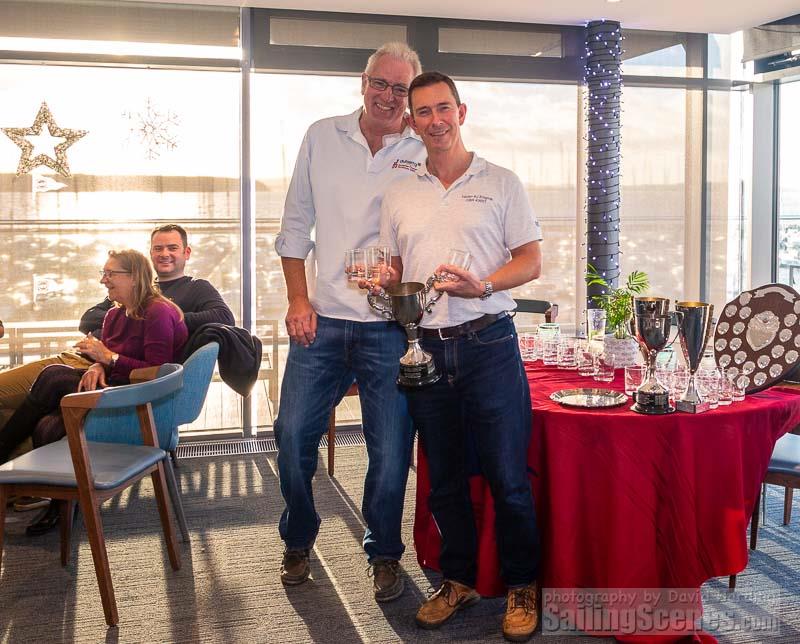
{"x":150,"y":342}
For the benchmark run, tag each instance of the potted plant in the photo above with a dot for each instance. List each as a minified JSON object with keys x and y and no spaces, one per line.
{"x":618,"y":305}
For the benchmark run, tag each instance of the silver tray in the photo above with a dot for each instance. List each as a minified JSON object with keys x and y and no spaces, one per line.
{"x":589,"y":398}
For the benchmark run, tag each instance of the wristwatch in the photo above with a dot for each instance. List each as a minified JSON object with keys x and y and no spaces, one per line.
{"x":114,"y":358}
{"x":488,"y":289}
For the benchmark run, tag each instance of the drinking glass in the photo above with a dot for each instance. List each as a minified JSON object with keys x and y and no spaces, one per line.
{"x":664,"y":373}
{"x":527,"y":346}
{"x":708,"y":387}
{"x":738,"y":383}
{"x":567,"y":358}
{"x":585,"y":358}
{"x":679,"y":381}
{"x":604,"y":367}
{"x":355,"y":264}
{"x":548,"y":330}
{"x":725,"y":391}
{"x":378,"y":260}
{"x":550,"y":351}
{"x":456,"y":257}
{"x":595,"y":324}
{"x":634,"y":377}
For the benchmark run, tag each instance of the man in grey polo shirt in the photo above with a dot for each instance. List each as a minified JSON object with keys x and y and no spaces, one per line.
{"x":343,"y":169}
{"x":458,"y":200}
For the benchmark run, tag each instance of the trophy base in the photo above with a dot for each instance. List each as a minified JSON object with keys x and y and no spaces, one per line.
{"x":652,"y":411}
{"x":417,"y":375}
{"x":652,"y":403}
{"x":692,"y":407}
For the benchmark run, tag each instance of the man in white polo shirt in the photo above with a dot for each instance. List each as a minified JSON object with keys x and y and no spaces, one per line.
{"x":458,"y":200}
{"x":344,"y":166}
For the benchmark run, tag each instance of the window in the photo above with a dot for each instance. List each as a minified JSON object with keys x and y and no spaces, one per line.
{"x":789,"y":186}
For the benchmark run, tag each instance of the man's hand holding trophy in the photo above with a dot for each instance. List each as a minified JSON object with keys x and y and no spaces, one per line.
{"x":407,"y":302}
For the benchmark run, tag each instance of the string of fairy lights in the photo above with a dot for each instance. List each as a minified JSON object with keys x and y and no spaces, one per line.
{"x":603,"y":81}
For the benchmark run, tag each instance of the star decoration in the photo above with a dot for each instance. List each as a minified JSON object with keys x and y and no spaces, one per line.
{"x":27,"y":162}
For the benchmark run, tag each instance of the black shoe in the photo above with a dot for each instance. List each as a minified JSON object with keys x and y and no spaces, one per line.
{"x":46,"y":522}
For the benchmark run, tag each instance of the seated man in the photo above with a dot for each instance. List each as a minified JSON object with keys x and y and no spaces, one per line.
{"x":198,"y":299}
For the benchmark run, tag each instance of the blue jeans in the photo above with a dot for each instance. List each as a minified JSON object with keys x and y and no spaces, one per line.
{"x":316,"y":379}
{"x":481,"y":400}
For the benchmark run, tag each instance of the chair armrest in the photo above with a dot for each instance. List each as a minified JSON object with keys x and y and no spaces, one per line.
{"x":143,"y":374}
{"x":82,"y":400}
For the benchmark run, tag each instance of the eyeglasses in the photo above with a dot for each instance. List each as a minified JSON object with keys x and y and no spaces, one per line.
{"x":107,"y":274}
{"x":401,"y":91}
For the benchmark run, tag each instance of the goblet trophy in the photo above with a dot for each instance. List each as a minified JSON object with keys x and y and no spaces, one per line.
{"x":694,"y":330}
{"x":407,"y":305}
{"x":652,"y":332}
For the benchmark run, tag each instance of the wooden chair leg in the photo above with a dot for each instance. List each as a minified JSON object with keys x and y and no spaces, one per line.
{"x":3,"y":497}
{"x":787,"y":505}
{"x":67,"y":512}
{"x":175,"y":496}
{"x":94,"y":528}
{"x":174,"y":455}
{"x":160,"y":486}
{"x":754,"y":524}
{"x":331,"y":441}
{"x":732,"y":582}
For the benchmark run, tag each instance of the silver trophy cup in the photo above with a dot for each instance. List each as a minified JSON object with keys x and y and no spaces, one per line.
{"x":652,"y":333}
{"x":407,"y":303}
{"x":694,"y":329}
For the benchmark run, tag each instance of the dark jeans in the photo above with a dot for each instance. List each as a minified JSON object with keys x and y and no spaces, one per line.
{"x":315,"y":380}
{"x":484,"y":392}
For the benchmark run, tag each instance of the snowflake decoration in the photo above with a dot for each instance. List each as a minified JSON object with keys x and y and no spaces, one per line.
{"x":154,"y":129}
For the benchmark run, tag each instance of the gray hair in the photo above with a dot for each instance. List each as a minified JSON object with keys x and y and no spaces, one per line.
{"x":398,"y":50}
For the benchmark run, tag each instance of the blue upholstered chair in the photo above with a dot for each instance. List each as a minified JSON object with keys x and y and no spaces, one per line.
{"x":181,"y":408}
{"x":90,"y":472}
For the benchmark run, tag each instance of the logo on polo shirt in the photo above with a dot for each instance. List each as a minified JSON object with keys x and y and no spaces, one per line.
{"x":476,"y":198}
{"x":405,"y":164}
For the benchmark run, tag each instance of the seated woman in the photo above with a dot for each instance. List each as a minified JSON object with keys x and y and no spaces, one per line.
{"x":143,"y":329}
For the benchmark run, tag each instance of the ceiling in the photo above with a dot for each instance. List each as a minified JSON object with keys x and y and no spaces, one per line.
{"x":705,"y":16}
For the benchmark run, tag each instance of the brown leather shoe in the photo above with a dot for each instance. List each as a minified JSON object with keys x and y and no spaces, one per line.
{"x":387,"y":580}
{"x":295,"y":567}
{"x":444,"y":603}
{"x":521,"y":616}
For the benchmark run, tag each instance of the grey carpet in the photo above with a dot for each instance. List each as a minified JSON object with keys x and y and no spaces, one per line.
{"x":228,"y":589}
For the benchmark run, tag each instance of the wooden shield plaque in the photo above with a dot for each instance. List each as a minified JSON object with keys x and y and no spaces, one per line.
{"x":759,"y":333}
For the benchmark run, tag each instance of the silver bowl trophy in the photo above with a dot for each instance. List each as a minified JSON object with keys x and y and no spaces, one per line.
{"x":652,"y":323}
{"x":408,"y":302}
{"x":694,"y":329}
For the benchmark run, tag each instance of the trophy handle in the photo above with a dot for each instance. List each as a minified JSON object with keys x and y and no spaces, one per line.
{"x":679,"y":315}
{"x":435,"y":298}
{"x":373,"y":302}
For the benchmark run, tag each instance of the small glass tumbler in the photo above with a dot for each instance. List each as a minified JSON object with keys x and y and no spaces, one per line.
{"x":550,"y":351}
{"x":604,"y":367}
{"x":738,"y":383}
{"x":549,"y":330}
{"x":595,"y":324}
{"x":664,"y":375}
{"x":527,"y":346}
{"x":355,"y":264}
{"x":455,"y":257}
{"x":678,"y":383}
{"x":725,"y":391}
{"x":634,"y":377}
{"x":379,"y":259}
{"x":585,"y":358}
{"x":708,"y":387}
{"x":567,"y":358}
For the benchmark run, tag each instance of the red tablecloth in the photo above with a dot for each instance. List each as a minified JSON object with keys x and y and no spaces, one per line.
{"x":630,"y":501}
